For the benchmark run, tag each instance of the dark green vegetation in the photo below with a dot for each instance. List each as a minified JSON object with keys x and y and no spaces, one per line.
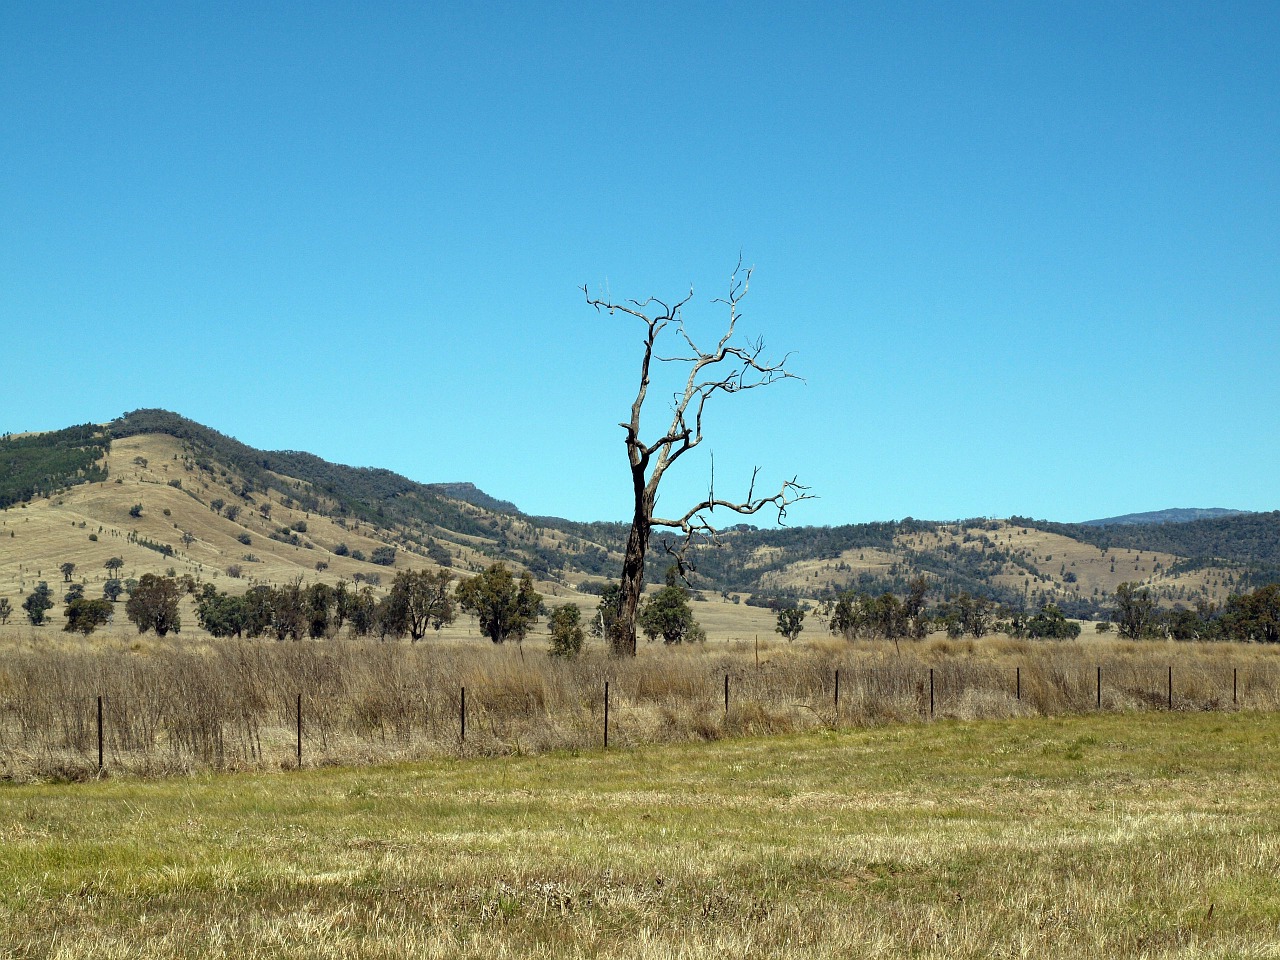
{"x":1125,"y":837}
{"x":41,"y":464}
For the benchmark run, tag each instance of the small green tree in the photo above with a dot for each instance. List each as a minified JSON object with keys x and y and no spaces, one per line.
{"x":113,"y":567}
{"x":606,"y":610}
{"x":666,"y":614}
{"x":85,"y":616}
{"x":39,"y":601}
{"x":135,"y":511}
{"x":566,"y":631}
{"x":6,"y":610}
{"x":67,"y":569}
{"x":1135,"y":611}
{"x":384,"y":556}
{"x":790,"y":621}
{"x":503,"y":608}
{"x":419,"y":600}
{"x":153,"y":604}
{"x":220,"y":613}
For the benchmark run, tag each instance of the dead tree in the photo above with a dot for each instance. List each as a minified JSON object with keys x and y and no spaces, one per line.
{"x":728,"y":368}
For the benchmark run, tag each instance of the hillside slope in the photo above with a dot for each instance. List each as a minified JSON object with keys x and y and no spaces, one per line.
{"x":225,"y":512}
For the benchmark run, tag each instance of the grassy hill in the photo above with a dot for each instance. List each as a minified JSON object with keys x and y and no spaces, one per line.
{"x":225,"y":512}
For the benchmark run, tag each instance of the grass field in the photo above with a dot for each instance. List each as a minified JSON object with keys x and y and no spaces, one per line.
{"x":1111,"y":835}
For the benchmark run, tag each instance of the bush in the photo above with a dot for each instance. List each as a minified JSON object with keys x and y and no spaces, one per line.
{"x":341,"y":550}
{"x":245,"y":539}
{"x":234,"y":571}
{"x":566,"y":631}
{"x":357,"y":555}
{"x":135,"y":511}
{"x":383,"y":556}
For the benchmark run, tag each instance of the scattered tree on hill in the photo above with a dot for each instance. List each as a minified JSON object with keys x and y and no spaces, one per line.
{"x":503,"y":608}
{"x":74,"y":592}
{"x":231,"y":512}
{"x":6,"y":610}
{"x":383,"y":556}
{"x":67,"y":569}
{"x":153,"y":604}
{"x":113,"y":566}
{"x":135,"y":511}
{"x":85,"y":616}
{"x":39,"y":601}
{"x":728,"y":369}
{"x":565,"y":624}
{"x":666,"y":614}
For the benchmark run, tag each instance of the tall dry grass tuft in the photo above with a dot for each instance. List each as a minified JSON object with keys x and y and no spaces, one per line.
{"x":173,"y":708}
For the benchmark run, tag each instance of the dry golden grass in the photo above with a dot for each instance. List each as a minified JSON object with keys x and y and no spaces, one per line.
{"x":1117,"y":836}
{"x":174,"y":706}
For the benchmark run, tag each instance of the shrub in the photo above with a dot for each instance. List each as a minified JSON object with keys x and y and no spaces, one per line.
{"x":566,"y":631}
{"x":234,"y":571}
{"x":135,"y":511}
{"x":383,"y":556}
{"x":341,"y":550}
{"x":357,"y":555}
{"x":245,"y":539}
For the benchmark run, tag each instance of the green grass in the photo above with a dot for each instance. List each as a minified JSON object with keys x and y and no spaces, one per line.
{"x":1147,"y":835}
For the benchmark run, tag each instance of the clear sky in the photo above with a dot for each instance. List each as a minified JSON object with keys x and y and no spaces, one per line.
{"x":1027,"y":256}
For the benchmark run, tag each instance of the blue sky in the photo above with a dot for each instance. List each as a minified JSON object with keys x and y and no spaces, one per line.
{"x":1027,"y":256}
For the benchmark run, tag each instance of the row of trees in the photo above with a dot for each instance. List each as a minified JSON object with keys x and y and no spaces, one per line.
{"x":1250,"y":617}
{"x":861,"y":615}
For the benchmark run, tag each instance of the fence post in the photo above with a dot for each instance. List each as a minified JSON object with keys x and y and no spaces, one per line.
{"x":1234,"y":689}
{"x":931,"y":693}
{"x":726,"y":695}
{"x":1018,"y":677}
{"x":299,"y":731}
{"x":1170,"y":686}
{"x":1099,"y":687}
{"x":837,"y":688}
{"x":100,"y":764}
{"x":606,"y":714}
{"x":462,"y":717}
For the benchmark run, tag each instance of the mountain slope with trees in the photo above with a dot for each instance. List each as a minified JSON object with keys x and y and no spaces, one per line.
{"x":158,"y":491}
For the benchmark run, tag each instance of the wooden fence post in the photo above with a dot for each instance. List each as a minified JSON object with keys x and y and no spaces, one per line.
{"x":462,"y":717}
{"x":100,"y":759}
{"x":606,"y":714}
{"x":1099,"y":687}
{"x":299,"y":731}
{"x":1234,"y":688}
{"x":931,"y":693}
{"x":837,"y":689}
{"x":726,"y":695}
{"x":1018,"y":676}
{"x":1171,"y":686}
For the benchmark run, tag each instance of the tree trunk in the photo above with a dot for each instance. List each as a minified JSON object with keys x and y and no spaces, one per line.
{"x":624,"y":628}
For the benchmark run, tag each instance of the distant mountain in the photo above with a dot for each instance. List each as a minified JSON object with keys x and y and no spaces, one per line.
{"x":1173,"y":515}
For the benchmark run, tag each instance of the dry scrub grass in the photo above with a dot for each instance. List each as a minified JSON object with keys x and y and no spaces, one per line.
{"x":169,"y":707}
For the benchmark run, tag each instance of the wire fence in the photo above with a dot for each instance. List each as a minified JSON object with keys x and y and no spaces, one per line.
{"x":265,"y":705}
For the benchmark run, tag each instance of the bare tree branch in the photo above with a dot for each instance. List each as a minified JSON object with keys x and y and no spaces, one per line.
{"x":729,"y":368}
